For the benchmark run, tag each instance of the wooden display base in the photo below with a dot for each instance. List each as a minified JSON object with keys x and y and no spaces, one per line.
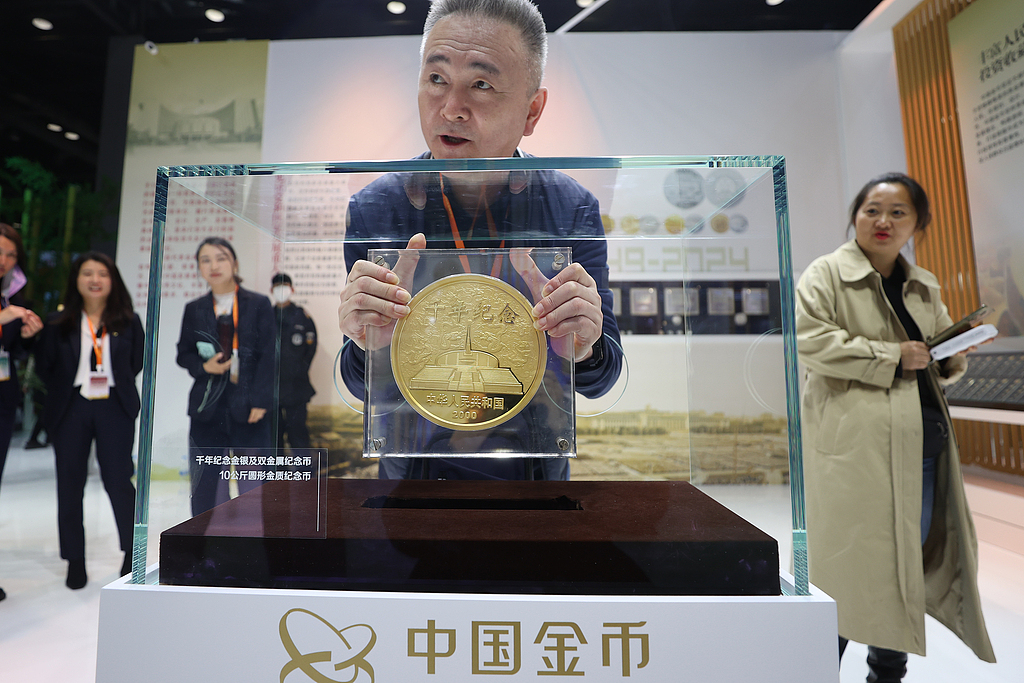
{"x":567,"y":538}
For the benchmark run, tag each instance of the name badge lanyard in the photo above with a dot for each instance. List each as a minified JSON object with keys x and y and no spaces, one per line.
{"x":234,"y":370}
{"x":99,"y":385}
{"x":457,"y":236}
{"x":97,"y":344}
{"x":5,"y":357}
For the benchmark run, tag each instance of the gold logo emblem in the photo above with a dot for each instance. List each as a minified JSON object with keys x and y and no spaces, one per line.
{"x":322,"y":652}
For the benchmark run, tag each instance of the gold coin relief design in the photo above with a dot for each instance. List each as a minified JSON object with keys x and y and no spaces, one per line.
{"x":467,"y":356}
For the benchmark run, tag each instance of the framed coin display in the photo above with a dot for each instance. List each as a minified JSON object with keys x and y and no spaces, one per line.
{"x":643,"y":301}
{"x":467,"y":356}
{"x":682,"y":300}
{"x":721,"y":300}
{"x":465,"y":373}
{"x":755,"y":300}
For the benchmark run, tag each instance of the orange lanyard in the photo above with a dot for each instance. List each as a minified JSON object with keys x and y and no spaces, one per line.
{"x":234,"y":321}
{"x":97,"y":344}
{"x":491,"y":227}
{"x":234,"y":317}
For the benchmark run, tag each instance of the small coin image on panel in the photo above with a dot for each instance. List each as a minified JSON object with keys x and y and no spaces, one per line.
{"x":694,"y":223}
{"x":674,"y":224}
{"x":630,"y":224}
{"x":467,"y":356}
{"x":608,"y":222}
{"x":649,"y":224}
{"x":720,"y":223}
{"x":738,"y":222}
{"x":724,"y":187}
{"x":684,"y":188}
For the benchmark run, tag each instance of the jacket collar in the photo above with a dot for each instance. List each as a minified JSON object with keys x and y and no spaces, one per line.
{"x":854,"y":266}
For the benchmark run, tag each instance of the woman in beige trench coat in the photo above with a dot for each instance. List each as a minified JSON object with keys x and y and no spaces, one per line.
{"x":890,"y":536}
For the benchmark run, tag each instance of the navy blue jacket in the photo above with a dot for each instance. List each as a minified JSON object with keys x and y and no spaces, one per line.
{"x":57,"y":357}
{"x":256,"y":339}
{"x":541,"y":208}
{"x":16,"y":346}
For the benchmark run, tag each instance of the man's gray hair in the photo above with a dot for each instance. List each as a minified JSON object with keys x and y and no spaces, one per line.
{"x":520,"y":14}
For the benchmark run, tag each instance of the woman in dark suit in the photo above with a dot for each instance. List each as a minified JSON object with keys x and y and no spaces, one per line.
{"x":88,"y":357}
{"x":227,"y":345}
{"x":18,"y":324}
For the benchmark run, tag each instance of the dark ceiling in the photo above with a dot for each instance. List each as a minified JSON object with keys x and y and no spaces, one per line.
{"x":58,"y":76}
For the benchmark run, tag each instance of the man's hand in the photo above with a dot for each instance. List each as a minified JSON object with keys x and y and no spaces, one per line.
{"x":373,"y":297}
{"x":567,"y":307}
{"x":256,"y":414}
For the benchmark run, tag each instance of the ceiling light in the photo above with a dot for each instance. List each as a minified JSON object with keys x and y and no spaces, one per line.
{"x":71,"y":136}
{"x":215,"y":15}
{"x":55,"y":127}
{"x":584,"y":3}
{"x":42,"y":24}
{"x":396,"y":7}
{"x":773,"y":3}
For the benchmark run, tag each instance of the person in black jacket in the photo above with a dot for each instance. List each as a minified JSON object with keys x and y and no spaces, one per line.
{"x":18,"y":324}
{"x":297,"y":345}
{"x":227,"y":345}
{"x":88,"y":358}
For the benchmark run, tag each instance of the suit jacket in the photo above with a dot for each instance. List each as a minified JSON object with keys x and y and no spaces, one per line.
{"x":256,"y":337}
{"x":10,"y":391}
{"x":57,"y":356}
{"x":297,"y":340}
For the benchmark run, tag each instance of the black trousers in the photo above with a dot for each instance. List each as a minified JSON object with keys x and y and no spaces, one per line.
{"x":217,"y":437}
{"x":292,"y":420}
{"x":886,"y":666}
{"x":104,"y":421}
{"x":6,"y":429}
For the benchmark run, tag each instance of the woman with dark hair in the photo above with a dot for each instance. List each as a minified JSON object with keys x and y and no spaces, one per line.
{"x":18,"y":324}
{"x":227,"y":345}
{"x":88,"y":358}
{"x":890,"y":536}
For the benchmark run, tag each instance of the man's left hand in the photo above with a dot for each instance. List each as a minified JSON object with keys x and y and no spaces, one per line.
{"x":568,"y":306}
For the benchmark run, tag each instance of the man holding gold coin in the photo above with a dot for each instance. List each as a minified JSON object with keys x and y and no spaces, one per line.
{"x":479,"y":93}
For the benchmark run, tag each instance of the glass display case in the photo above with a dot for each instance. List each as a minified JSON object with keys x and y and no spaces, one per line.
{"x":693,"y":376}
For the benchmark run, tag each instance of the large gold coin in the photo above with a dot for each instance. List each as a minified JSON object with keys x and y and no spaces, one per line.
{"x":467,"y":356}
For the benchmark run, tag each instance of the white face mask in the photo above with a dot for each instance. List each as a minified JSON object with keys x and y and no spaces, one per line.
{"x":282,"y":293}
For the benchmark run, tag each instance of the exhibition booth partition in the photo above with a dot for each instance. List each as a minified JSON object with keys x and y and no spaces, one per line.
{"x":260,"y":549}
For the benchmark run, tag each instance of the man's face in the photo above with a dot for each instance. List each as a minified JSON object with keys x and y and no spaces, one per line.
{"x":476,"y":98}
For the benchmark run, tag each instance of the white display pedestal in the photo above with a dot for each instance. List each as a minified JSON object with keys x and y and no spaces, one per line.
{"x":173,"y":633}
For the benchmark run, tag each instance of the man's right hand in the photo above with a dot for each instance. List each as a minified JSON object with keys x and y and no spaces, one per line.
{"x":373,"y":297}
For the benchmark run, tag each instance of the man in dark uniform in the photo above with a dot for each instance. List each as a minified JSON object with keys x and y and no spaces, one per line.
{"x":297,"y":344}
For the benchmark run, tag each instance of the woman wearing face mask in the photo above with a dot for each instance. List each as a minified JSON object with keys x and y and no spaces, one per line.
{"x":890,"y":536}
{"x":227,"y":345}
{"x":88,"y":358}
{"x":18,"y":324}
{"x":297,"y":341}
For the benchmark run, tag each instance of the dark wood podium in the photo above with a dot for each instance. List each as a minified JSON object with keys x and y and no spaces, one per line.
{"x":565,"y":538}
